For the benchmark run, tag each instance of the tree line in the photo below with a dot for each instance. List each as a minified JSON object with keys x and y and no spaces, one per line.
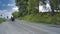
{"x":27,"y":7}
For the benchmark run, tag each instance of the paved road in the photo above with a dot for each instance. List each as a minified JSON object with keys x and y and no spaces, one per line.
{"x":23,"y":27}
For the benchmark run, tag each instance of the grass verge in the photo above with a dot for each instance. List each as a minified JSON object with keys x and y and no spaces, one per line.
{"x":43,"y":18}
{"x":2,"y":20}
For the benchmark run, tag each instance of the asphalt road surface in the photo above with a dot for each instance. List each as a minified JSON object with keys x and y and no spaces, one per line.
{"x":24,"y":27}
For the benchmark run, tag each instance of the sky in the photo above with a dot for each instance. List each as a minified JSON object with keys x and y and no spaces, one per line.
{"x":7,"y":7}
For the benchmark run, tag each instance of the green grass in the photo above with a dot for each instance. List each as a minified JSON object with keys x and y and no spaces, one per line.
{"x":2,"y":20}
{"x":45,"y":18}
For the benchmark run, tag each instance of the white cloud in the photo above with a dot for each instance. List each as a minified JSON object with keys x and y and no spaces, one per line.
{"x":15,"y":8}
{"x":5,"y":13}
{"x":4,"y":10}
{"x":11,"y":4}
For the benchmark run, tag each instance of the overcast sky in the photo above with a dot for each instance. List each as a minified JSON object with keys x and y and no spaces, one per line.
{"x":7,"y":7}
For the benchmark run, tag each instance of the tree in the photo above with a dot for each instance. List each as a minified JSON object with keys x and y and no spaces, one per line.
{"x":22,"y":4}
{"x":15,"y":14}
{"x":27,"y":6}
{"x":54,"y":5}
{"x":31,"y":6}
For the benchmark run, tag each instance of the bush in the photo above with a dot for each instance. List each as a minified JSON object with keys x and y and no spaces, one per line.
{"x":45,"y":18}
{"x":2,"y":20}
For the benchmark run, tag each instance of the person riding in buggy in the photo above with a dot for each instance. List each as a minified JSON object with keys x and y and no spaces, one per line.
{"x":12,"y":18}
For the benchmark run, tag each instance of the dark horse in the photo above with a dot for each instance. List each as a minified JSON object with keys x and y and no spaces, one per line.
{"x":12,"y":18}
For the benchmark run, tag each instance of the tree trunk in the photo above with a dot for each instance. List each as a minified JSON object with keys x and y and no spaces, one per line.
{"x":52,"y":12}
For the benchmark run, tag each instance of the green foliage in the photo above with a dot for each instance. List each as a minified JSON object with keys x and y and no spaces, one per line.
{"x":55,"y":3}
{"x":15,"y":14}
{"x":27,"y":6}
{"x":31,"y":6}
{"x":2,"y":20}
{"x":46,"y":18}
{"x":27,"y":11}
{"x":22,"y":4}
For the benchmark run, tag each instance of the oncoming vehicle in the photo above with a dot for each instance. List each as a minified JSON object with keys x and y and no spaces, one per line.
{"x":12,"y":18}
